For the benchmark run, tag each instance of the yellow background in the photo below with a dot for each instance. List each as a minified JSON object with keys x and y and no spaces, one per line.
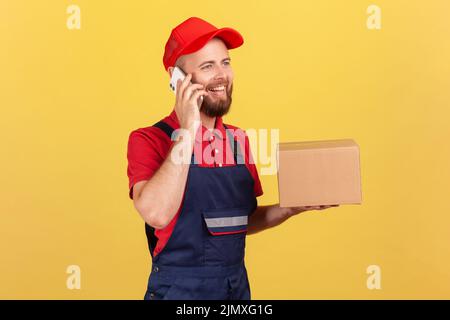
{"x":69,"y":99}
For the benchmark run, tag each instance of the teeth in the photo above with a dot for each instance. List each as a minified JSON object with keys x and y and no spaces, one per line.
{"x":220,"y":88}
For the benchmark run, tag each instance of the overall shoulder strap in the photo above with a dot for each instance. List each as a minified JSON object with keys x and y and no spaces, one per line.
{"x":168,"y":130}
{"x":235,"y":146}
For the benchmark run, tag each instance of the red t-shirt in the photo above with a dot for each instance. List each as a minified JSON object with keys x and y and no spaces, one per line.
{"x":148,"y":148}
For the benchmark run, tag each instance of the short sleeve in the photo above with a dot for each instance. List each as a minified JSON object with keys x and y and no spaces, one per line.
{"x":144,"y":157}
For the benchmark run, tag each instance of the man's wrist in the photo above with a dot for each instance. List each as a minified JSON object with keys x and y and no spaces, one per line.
{"x":182,"y":148}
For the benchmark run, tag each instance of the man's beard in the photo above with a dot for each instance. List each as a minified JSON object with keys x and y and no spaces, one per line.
{"x":217,"y":107}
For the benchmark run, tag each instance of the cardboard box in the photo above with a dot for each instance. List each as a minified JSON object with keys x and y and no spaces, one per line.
{"x":319,"y":173}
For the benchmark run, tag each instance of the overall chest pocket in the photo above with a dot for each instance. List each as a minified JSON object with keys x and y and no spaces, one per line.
{"x":224,"y":241}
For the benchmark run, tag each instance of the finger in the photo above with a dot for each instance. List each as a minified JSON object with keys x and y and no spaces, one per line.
{"x":179,"y":83}
{"x":190,"y":89}
{"x":329,"y":206}
{"x":184,"y":84}
{"x":197,"y":94}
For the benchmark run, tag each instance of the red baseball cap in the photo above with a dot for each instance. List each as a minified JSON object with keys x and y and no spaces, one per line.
{"x":192,"y":34}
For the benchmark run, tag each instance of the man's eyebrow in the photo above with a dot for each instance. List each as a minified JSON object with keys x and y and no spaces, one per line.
{"x":212,"y":61}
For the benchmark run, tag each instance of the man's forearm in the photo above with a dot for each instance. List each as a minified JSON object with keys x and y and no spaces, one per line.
{"x":161,"y":196}
{"x":266,"y":217}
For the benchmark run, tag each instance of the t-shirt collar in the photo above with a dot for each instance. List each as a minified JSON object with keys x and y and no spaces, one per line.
{"x":219,"y":131}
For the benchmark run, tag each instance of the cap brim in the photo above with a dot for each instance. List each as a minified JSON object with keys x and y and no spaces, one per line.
{"x":230,"y":37}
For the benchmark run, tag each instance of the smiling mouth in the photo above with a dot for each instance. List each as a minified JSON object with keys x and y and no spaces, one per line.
{"x":217,"y":90}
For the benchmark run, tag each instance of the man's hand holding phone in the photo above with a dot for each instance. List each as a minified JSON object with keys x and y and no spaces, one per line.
{"x":186,"y":104}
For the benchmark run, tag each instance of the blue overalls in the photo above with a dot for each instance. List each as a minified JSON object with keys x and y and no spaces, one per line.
{"x":204,"y":257}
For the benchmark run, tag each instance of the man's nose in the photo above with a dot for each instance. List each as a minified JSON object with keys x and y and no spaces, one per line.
{"x":220,"y":73}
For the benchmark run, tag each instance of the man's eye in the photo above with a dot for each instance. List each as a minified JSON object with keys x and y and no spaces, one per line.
{"x":207,"y":66}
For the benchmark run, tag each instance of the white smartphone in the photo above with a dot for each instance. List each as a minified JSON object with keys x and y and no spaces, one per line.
{"x":179,"y":74}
